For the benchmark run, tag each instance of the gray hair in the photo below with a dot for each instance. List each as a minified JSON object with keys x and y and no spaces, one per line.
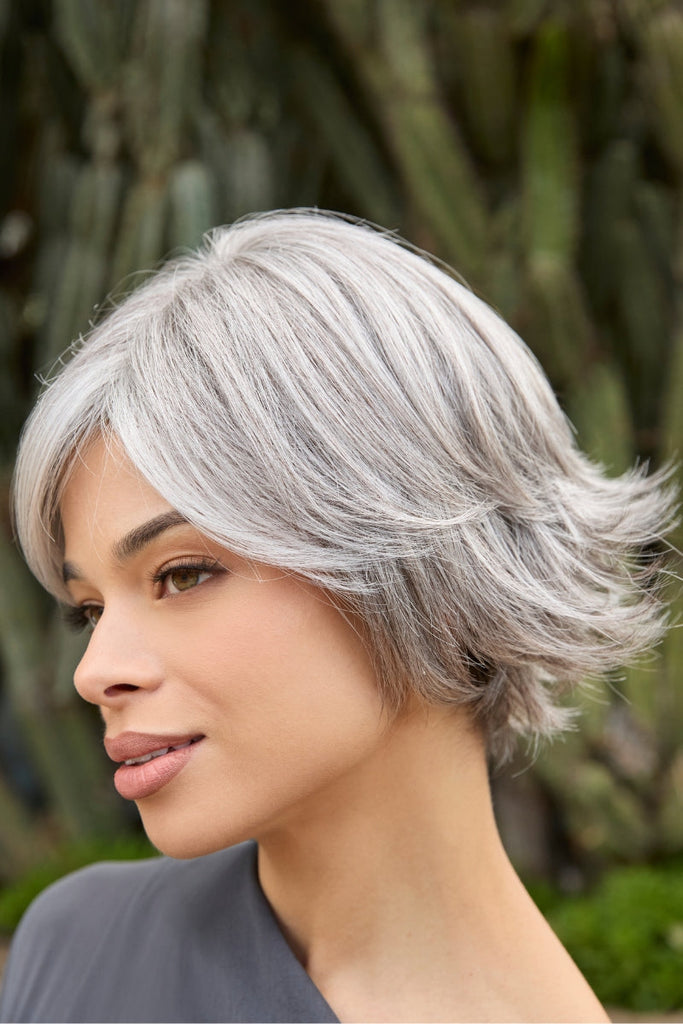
{"x":313,"y":393}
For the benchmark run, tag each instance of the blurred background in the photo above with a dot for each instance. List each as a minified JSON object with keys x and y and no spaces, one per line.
{"x":537,"y":146}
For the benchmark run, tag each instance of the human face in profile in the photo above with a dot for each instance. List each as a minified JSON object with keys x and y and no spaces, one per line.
{"x":262,"y":689}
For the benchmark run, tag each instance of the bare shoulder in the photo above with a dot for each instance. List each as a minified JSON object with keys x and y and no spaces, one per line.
{"x":540,"y":980}
{"x":515,"y":970}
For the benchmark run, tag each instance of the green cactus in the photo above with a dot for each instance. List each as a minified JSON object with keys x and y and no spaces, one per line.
{"x":535,"y":144}
{"x":600,"y":411}
{"x":431,"y":158}
{"x":95,"y":38}
{"x":549,"y":150}
{"x":479,"y":46}
{"x":247,"y":173}
{"x":558,"y":326}
{"x":193,"y":202}
{"x":662,"y":48}
{"x":161,"y":84}
{"x":140,"y":242}
{"x":348,"y":140}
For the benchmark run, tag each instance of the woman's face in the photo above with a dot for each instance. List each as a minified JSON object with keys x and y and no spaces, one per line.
{"x":252,"y":667}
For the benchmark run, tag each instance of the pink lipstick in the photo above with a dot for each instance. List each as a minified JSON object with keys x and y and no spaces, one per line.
{"x":149,"y":761}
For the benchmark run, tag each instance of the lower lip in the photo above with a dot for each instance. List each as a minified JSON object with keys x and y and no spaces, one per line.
{"x":136,"y":781}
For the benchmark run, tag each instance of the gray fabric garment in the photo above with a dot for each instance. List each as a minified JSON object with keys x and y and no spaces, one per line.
{"x":157,"y":940}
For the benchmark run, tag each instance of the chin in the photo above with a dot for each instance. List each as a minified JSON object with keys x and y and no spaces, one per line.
{"x":186,"y":840}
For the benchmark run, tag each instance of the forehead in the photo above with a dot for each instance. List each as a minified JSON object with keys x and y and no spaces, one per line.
{"x":106,"y":496}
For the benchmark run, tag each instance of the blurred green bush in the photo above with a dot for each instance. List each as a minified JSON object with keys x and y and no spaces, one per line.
{"x":626,"y":935}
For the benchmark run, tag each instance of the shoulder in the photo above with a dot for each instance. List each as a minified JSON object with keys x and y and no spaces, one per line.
{"x":112,"y":886}
{"x":113,"y":912}
{"x":101,"y":893}
{"x":95,"y":889}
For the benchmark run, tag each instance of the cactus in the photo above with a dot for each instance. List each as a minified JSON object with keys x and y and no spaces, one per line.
{"x":348,"y":140}
{"x":81,"y":277}
{"x":662,"y":43}
{"x":62,"y":755}
{"x":429,"y":152}
{"x":549,"y":145}
{"x":523,"y":16}
{"x":477,"y":52}
{"x":247,"y":174}
{"x":192,"y":194}
{"x":94,"y":38}
{"x":672,"y":431}
{"x":162,"y":80}
{"x":535,"y":144}
{"x":20,"y":847}
{"x":644,"y":318}
{"x":600,"y":411}
{"x":9,"y":401}
{"x":610,"y":187}
{"x":140,"y":241}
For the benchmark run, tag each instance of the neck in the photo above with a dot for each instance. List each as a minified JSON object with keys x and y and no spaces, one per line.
{"x":394,"y":891}
{"x":408,"y":843}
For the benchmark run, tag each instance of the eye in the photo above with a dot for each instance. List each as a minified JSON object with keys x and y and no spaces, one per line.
{"x":184,"y":579}
{"x":92,"y":613}
{"x":180,"y":578}
{"x":85,"y":616}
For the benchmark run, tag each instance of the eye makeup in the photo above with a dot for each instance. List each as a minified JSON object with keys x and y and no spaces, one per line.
{"x":188,"y":573}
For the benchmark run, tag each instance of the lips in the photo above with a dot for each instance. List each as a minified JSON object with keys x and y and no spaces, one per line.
{"x":128,"y":746}
{"x":150,"y":761}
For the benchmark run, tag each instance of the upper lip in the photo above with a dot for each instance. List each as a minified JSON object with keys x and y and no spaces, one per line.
{"x":128,"y":745}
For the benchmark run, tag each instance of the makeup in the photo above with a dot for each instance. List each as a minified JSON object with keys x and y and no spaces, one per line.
{"x":149,"y":762}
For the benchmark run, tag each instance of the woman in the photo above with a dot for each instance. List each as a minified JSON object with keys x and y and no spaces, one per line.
{"x":337,"y":548}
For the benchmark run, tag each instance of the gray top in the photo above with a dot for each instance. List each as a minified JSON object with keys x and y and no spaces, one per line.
{"x":157,"y":940}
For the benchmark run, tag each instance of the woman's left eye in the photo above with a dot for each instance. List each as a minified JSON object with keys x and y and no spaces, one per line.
{"x":180,"y":578}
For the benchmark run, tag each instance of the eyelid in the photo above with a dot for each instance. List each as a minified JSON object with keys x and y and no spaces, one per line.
{"x":199,"y":565}
{"x":75,"y":617}
{"x":195,"y":563}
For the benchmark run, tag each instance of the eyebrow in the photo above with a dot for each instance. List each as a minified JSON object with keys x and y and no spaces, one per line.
{"x":134,"y":541}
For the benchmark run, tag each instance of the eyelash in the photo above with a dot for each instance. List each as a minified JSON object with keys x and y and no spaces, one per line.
{"x":76,"y":618}
{"x":195,"y":565}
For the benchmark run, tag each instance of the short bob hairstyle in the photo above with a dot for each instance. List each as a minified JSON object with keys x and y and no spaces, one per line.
{"x":312,"y":393}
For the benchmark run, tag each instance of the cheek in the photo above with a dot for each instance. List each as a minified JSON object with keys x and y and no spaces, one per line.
{"x":292,"y":710}
{"x":288,"y":665}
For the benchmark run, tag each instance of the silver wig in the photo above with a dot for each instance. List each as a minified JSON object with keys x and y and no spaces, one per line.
{"x":312,"y":393}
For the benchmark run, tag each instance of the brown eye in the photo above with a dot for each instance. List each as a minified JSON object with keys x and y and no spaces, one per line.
{"x":83,"y":616}
{"x":92,"y":613}
{"x":185,"y":579}
{"x":176,"y":579}
{"x":182,"y":578}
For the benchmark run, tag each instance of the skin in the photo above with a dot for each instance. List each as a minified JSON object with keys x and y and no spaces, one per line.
{"x":378,"y":849}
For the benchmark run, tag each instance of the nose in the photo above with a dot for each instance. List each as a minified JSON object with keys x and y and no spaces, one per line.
{"x":118,"y":662}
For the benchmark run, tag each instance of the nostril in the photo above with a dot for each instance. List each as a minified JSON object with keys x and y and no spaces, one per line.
{"x":113,"y":691}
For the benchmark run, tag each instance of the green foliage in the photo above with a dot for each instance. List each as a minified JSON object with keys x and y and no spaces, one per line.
{"x":15,"y":898}
{"x":627,"y":936}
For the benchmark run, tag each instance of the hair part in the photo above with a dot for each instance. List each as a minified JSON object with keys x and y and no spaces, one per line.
{"x":313,"y":393}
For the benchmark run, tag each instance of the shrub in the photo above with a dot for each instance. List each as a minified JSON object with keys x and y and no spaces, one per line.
{"x":627,"y":936}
